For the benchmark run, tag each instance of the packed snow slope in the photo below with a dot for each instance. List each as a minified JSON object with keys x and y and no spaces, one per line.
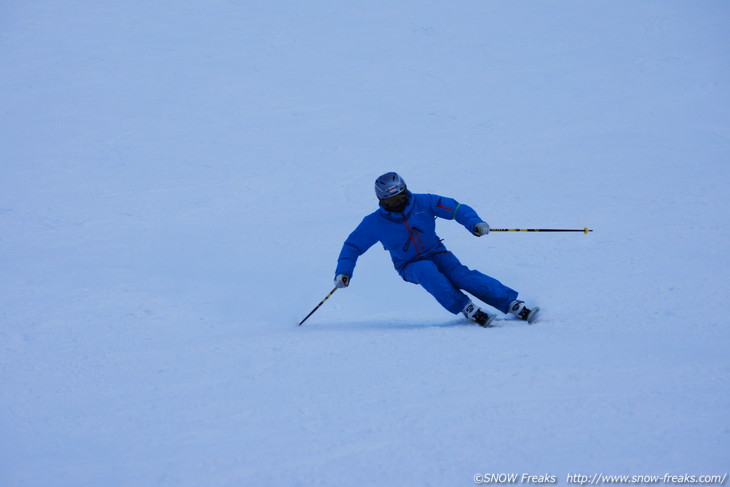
{"x":177,"y":178}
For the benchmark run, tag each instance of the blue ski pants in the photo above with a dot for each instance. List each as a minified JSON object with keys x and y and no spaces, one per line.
{"x":445,"y":277}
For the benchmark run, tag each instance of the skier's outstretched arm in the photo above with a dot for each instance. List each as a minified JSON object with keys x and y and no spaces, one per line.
{"x":450,"y":209}
{"x":359,"y":241}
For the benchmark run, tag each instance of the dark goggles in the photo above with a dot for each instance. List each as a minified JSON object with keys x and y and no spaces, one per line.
{"x":396,"y":203}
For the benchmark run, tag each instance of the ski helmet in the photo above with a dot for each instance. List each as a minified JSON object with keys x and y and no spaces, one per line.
{"x":389,"y":184}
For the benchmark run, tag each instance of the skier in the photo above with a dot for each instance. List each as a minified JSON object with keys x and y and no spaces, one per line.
{"x":405,"y":225}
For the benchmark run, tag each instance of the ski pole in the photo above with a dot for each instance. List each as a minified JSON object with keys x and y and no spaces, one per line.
{"x":317,"y":307}
{"x":584,"y":230}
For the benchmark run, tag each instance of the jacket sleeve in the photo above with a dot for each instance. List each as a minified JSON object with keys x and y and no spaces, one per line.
{"x":359,"y":241}
{"x":450,"y":209}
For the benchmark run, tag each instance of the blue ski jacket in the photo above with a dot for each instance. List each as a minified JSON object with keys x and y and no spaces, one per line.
{"x":408,"y":236}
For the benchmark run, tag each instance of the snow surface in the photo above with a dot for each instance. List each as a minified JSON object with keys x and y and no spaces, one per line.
{"x":177,"y":178}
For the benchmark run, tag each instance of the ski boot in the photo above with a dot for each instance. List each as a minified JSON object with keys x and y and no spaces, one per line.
{"x":522,"y":312}
{"x":474,"y":313}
